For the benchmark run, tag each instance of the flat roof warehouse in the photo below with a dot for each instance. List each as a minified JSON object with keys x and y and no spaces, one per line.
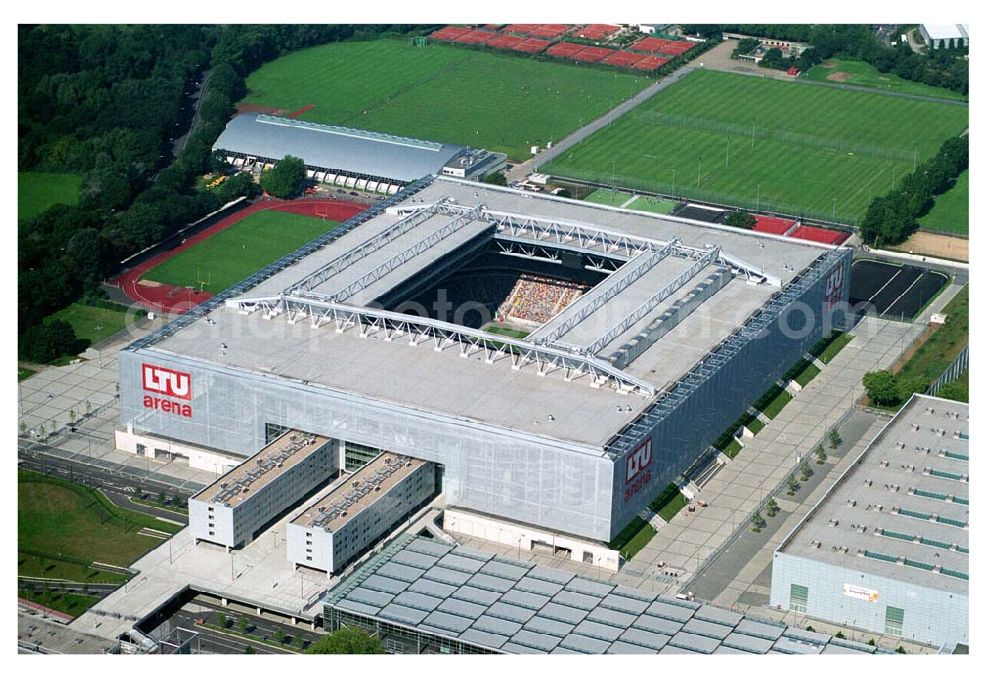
{"x":347,"y":271}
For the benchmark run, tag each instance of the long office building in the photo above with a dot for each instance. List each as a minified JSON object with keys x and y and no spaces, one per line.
{"x":648,"y":336}
{"x":330,"y":532}
{"x":233,"y":509}
{"x":887,"y":548}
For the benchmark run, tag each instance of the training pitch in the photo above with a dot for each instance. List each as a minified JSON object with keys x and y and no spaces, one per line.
{"x":765,"y":144}
{"x":440,"y":93}
{"x":240,"y":250}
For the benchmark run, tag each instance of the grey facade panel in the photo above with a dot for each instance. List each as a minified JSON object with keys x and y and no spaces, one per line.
{"x":679,"y":438}
{"x":486,"y":469}
{"x":929,"y":615}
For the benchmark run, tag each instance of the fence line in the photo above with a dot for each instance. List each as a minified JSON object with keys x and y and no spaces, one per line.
{"x":957,"y":367}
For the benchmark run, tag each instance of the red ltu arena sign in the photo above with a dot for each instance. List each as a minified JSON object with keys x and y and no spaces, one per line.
{"x":637,"y":470}
{"x":834,"y":287}
{"x":169,"y":383}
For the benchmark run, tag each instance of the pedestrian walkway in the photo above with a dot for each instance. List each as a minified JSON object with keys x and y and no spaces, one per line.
{"x":740,"y":486}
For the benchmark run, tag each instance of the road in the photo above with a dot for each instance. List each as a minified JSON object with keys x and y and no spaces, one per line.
{"x":180,"y":143}
{"x":117,"y":485}
{"x":263,"y":628}
{"x":531,"y":165}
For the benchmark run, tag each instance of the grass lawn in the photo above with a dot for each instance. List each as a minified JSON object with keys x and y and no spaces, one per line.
{"x":67,"y":602}
{"x":848,"y":71}
{"x":24,"y":373}
{"x":441,"y":92}
{"x":63,"y":526}
{"x":951,"y":209}
{"x":773,"y":401}
{"x":633,"y":538}
{"x":652,"y":204}
{"x":507,"y":331}
{"x":828,"y":348}
{"x":934,"y":356}
{"x":802,"y":372}
{"x":669,"y":503}
{"x":37,"y":191}
{"x":732,"y":448}
{"x":92,"y":323}
{"x":755,"y":425}
{"x":240,"y":250}
{"x":810,"y":372}
{"x":611,"y":198}
{"x":815,"y":151}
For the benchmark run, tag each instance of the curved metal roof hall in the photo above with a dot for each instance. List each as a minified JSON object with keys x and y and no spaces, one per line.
{"x":331,"y":147}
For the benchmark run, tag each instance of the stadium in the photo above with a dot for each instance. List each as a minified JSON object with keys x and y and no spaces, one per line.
{"x":559,"y":362}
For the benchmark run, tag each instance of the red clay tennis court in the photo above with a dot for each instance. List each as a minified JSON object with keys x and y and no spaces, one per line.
{"x":596,"y":31}
{"x":543,"y":31}
{"x":623,"y":59}
{"x":448,"y":33}
{"x":593,"y":54}
{"x":531,"y":46}
{"x":565,"y":50}
{"x":823,"y":235}
{"x":168,"y":298}
{"x":773,"y":224}
{"x":501,"y":41}
{"x":651,"y":63}
{"x":474,"y":38}
{"x":661,"y":46}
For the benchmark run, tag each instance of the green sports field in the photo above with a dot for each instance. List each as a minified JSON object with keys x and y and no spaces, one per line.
{"x":605,"y":196}
{"x":440,"y":92}
{"x":951,"y":209}
{"x":92,"y":323}
{"x":863,"y":74}
{"x":240,"y":250}
{"x":652,"y":204}
{"x":815,"y":151}
{"x":37,"y":191}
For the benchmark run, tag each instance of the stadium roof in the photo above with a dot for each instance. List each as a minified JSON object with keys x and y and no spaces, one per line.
{"x":329,"y":147}
{"x":517,"y":607}
{"x":390,"y":245}
{"x":902,"y":510}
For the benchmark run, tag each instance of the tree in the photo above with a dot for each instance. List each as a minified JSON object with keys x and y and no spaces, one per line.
{"x":347,"y":640}
{"x":793,"y":486}
{"x":249,"y":649}
{"x":880,"y":387}
{"x":834,"y":438}
{"x":954,"y":391}
{"x":907,"y":386}
{"x":300,"y":641}
{"x":740,"y":219}
{"x":496,"y":179}
{"x":758,"y":522}
{"x":820,"y":455}
{"x":50,"y":340}
{"x":285,"y":179}
{"x":221,"y":620}
{"x":805,"y":470}
{"x":900,"y":649}
{"x":772,"y":507}
{"x":278,"y":636}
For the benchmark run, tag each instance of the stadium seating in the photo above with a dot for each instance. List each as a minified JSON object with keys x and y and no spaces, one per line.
{"x":538,"y":299}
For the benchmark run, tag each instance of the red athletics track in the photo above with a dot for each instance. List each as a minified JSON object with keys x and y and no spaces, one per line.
{"x":166,"y":298}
